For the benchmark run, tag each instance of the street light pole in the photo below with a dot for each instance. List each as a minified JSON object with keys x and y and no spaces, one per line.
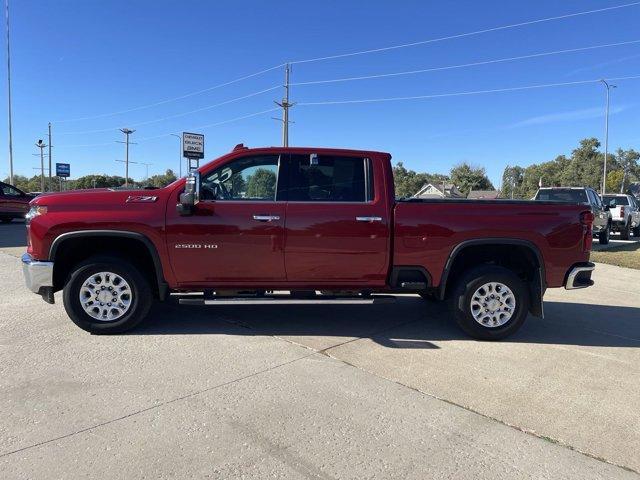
{"x":606,"y":137}
{"x":127,"y":132}
{"x":179,"y":152}
{"x":9,"y":96}
{"x":50,"y":184}
{"x":41,"y":145}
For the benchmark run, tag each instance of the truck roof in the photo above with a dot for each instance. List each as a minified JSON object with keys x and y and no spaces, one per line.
{"x":325,"y":150}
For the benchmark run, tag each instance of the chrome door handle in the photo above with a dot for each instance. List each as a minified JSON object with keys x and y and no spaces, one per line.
{"x":369,"y":219}
{"x":266,"y":218}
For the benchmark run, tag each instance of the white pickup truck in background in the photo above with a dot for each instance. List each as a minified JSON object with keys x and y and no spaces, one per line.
{"x":625,"y":214}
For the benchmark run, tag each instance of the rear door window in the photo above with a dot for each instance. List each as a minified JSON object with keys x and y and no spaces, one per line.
{"x":562,"y":195}
{"x":328,"y":178}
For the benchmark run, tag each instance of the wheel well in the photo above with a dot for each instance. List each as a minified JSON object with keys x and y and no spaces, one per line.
{"x":519,"y":258}
{"x":72,"y":251}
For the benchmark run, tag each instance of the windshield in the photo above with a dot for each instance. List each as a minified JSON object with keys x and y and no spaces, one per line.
{"x":562,"y":195}
{"x":614,"y":201}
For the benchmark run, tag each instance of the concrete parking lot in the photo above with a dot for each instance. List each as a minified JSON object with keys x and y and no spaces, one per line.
{"x":322,"y":391}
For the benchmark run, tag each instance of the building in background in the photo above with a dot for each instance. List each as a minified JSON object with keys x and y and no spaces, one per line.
{"x":484,"y":194}
{"x":442,"y":190}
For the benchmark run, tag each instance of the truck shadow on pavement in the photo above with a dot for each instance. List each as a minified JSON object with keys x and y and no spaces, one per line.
{"x":409,"y":323}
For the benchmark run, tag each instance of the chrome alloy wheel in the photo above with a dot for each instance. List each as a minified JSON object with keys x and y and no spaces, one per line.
{"x":493,"y":304}
{"x":105,"y":296}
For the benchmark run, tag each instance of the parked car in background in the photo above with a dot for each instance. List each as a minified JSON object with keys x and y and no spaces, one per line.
{"x":585,"y":196}
{"x":14,"y":203}
{"x":625,"y":214}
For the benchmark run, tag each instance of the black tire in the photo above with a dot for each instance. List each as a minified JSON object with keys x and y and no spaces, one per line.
{"x":141,"y":295}
{"x":604,"y":236}
{"x":625,"y":231}
{"x":471,"y":281}
{"x":636,"y":231}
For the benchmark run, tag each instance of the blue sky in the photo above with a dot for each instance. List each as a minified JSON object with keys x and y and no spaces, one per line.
{"x":75,"y":59}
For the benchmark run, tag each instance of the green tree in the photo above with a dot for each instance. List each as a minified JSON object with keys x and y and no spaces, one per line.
{"x":159,"y":181}
{"x":585,"y":166}
{"x":408,"y":182}
{"x":19,"y":181}
{"x":512,"y":182}
{"x":627,"y":161}
{"x":614,"y":180}
{"x":467,"y":177}
{"x":261,"y":184}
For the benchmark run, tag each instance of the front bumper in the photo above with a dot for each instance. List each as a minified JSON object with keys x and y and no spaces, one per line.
{"x":38,"y":275}
{"x":580,"y":276}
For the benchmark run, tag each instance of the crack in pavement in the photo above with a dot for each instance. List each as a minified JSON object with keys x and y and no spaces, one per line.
{"x":471,"y":410}
{"x":156,"y":406}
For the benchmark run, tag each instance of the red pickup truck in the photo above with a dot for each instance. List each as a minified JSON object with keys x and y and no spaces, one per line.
{"x":321,"y":224}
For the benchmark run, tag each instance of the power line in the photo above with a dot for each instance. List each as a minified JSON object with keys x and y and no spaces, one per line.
{"x":343,"y":55}
{"x":459,"y":94}
{"x":467,"y":34}
{"x":464,"y":65}
{"x":173,"y":99}
{"x":201,"y":109}
{"x":201,"y":127}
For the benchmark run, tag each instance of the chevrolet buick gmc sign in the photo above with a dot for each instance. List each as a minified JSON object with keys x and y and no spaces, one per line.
{"x":63,"y":170}
{"x":192,"y":145}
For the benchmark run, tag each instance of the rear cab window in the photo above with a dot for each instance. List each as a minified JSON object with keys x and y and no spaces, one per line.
{"x":615,"y":201}
{"x":329,"y":178}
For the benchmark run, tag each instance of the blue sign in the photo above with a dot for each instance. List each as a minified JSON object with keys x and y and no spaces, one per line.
{"x":63,"y":170}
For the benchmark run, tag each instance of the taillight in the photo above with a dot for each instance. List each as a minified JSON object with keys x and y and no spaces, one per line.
{"x":622,"y":212}
{"x":586,"y":219}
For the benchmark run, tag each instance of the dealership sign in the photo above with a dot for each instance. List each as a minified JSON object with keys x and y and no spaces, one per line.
{"x":63,"y":170}
{"x":192,"y":145}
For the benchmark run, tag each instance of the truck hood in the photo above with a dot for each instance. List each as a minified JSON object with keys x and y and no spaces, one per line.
{"x":98,"y":198}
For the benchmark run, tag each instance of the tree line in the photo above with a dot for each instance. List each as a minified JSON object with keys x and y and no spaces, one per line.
{"x":465,"y":176}
{"x":583,"y":168}
{"x":92,"y":181}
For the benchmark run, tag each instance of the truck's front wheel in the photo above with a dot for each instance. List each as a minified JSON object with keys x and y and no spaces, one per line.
{"x":490,"y":302}
{"x":106,"y":295}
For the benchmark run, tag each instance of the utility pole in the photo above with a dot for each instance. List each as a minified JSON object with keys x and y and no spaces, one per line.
{"x":127,"y":132}
{"x":285,"y":108}
{"x":126,"y":162}
{"x":6,"y":3}
{"x":179,"y":152}
{"x":41,"y":145}
{"x":606,"y":137}
{"x":147,"y":169}
{"x":50,"y":180}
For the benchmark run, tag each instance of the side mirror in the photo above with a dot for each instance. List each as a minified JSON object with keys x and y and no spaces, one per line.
{"x":191,"y":195}
{"x":606,"y":208}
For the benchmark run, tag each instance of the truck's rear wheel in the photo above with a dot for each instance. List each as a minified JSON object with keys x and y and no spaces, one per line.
{"x":490,"y":302}
{"x":636,"y":231}
{"x":107,"y":295}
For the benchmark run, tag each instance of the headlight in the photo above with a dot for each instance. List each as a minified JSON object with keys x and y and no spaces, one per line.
{"x":34,"y":211}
